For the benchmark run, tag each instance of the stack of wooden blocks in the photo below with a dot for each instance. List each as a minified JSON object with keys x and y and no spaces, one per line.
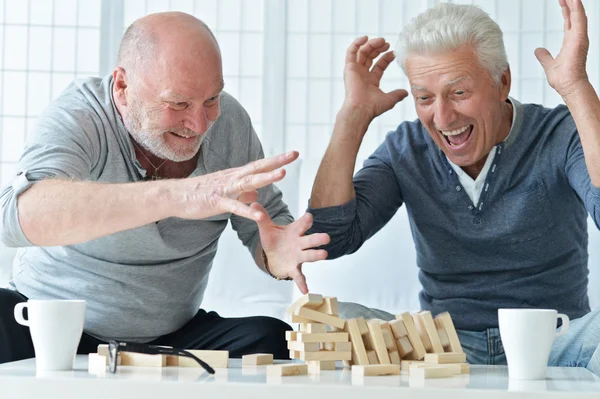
{"x":424,"y":346}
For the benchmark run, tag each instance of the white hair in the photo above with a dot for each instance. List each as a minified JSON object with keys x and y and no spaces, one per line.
{"x":447,"y":27}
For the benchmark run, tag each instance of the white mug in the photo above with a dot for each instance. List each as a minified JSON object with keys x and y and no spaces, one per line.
{"x":527,"y":336}
{"x":56,"y":327}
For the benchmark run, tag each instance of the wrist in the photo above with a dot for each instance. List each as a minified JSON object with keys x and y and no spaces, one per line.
{"x":266,"y":264}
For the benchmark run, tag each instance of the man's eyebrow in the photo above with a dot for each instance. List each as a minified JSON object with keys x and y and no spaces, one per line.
{"x":423,"y":88}
{"x":170,"y":96}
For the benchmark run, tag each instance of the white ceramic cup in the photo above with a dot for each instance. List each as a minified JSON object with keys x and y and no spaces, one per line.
{"x":527,"y":336}
{"x":56,"y":327}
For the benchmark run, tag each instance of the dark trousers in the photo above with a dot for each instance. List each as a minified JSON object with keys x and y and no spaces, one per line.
{"x":207,"y":330}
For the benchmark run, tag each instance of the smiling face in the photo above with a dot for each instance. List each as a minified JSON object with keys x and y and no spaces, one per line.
{"x":171,"y":100}
{"x":461,"y":106}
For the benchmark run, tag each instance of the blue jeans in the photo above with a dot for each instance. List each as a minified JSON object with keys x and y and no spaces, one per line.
{"x":579,"y":347}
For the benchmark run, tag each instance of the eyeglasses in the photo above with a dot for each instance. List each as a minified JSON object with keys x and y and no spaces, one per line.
{"x":114,"y":347}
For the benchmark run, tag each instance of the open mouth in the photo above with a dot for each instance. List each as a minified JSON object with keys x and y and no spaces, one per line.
{"x":458,"y":137}
{"x":183,"y":136}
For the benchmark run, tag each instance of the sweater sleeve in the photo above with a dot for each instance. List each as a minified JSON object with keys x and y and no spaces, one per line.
{"x":378,"y":197}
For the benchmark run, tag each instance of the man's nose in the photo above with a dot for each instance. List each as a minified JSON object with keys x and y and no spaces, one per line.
{"x":444,"y":116}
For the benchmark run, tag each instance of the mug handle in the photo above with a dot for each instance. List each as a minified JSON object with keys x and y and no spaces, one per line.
{"x":565,"y":324}
{"x":19,"y":313}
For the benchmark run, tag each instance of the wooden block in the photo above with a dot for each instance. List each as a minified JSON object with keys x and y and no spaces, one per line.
{"x":359,"y":353}
{"x":367,"y":341}
{"x":426,"y":343}
{"x":418,"y":351}
{"x":454,"y":368}
{"x":445,"y":358}
{"x":465,"y":368}
{"x":337,"y":346}
{"x":388,"y":336}
{"x":329,"y":306}
{"x":294,"y":355}
{"x":362,"y":325}
{"x":304,"y":346}
{"x":315,"y":366}
{"x":429,"y":372}
{"x":375,"y":369}
{"x":172,"y":361}
{"x":320,"y":337}
{"x":301,"y":320}
{"x":320,"y":317}
{"x":405,"y":364}
{"x":378,"y":342}
{"x":103,"y":351}
{"x":444,"y":339}
{"x":394,"y":357}
{"x":426,"y":322}
{"x":215,"y":359}
{"x":142,"y":359}
{"x":372,"y":355}
{"x":97,"y":363}
{"x":257,"y":359}
{"x":443,"y":320}
{"x":281,"y":370}
{"x":311,"y":301}
{"x":290,"y":335}
{"x":347,"y":363}
{"x":398,"y":328}
{"x":313,"y":328}
{"x":404,"y":346}
{"x":325,"y":355}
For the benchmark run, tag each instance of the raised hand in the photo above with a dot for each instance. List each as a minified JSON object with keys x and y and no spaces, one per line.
{"x":287,"y":248}
{"x":362,"y":78}
{"x":229,"y":190}
{"x":567,"y":71}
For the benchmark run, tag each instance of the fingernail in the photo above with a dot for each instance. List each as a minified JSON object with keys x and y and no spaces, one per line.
{"x":289,"y":154}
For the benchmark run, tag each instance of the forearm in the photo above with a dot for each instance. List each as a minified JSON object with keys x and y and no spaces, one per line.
{"x":60,"y":212}
{"x":584,"y":106}
{"x":333,"y":183}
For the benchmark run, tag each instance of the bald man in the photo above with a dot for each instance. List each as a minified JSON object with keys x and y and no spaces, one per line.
{"x":124,"y":189}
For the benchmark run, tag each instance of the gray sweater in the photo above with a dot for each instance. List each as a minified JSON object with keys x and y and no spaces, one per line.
{"x":523,"y":245}
{"x":140,"y":283}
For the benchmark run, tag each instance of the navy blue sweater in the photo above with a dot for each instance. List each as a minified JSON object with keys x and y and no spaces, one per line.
{"x":523,"y":245}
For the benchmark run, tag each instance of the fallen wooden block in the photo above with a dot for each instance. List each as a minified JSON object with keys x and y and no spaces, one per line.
{"x":97,"y":363}
{"x":378,"y":341}
{"x":447,"y":357}
{"x":142,"y":359}
{"x":394,"y":357}
{"x":329,"y":306}
{"x":465,"y":368}
{"x":312,"y":301}
{"x":426,"y":326}
{"x":372,"y":355}
{"x":455,"y":368}
{"x":257,"y":359}
{"x":429,"y":372}
{"x":215,"y":359}
{"x":359,"y":353}
{"x":404,"y":346}
{"x":398,"y":328}
{"x":418,"y":351}
{"x":287,"y":369}
{"x":375,"y":369}
{"x":443,"y":320}
{"x":310,"y":314}
{"x":444,"y":340}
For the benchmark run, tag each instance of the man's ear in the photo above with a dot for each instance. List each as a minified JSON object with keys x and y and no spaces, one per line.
{"x":120,"y":86}
{"x":505,"y":81}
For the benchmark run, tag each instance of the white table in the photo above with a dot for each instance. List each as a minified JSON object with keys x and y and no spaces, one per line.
{"x":20,"y":380}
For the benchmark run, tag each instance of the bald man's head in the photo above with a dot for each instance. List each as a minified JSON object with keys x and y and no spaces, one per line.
{"x":162,"y":35}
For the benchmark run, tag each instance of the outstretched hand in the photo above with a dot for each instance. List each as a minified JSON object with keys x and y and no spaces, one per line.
{"x":567,"y":70}
{"x":287,"y":248}
{"x":362,"y":78}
